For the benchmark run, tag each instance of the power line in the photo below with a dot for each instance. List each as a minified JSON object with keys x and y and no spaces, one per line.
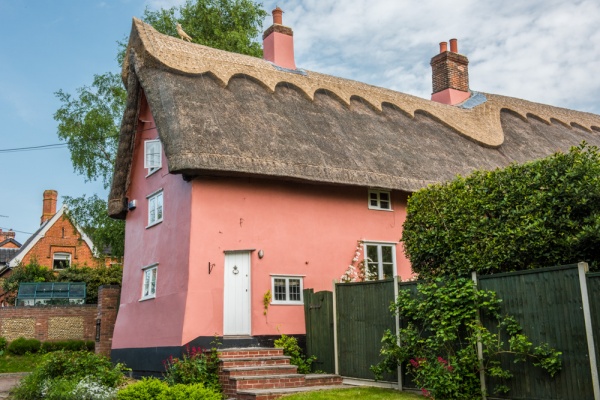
{"x":32,"y":148}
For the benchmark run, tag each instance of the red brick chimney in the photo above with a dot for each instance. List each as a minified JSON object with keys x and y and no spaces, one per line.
{"x":278,"y":42}
{"x":450,"y":75}
{"x":49,"y":205}
{"x":4,"y":235}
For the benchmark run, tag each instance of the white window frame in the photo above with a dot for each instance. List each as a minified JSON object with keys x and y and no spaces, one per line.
{"x":287,"y":279}
{"x":380,"y":263}
{"x":149,"y":281}
{"x":152,"y":156}
{"x":378,"y":201}
{"x":62,"y":256}
{"x":156,"y":202}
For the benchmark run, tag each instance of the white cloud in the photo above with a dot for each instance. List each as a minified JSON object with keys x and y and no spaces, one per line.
{"x":540,"y":50}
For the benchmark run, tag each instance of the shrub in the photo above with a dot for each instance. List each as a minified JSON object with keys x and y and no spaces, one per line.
{"x":49,"y":377}
{"x":3,"y":343}
{"x":195,"y":366}
{"x":538,"y":214}
{"x":31,"y":272}
{"x":146,"y":389}
{"x":68,"y":345}
{"x":21,"y":346}
{"x":290,"y":347}
{"x":154,"y":389}
{"x":93,"y":278}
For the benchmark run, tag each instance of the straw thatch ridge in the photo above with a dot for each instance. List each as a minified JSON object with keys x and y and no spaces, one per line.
{"x":219,"y":113}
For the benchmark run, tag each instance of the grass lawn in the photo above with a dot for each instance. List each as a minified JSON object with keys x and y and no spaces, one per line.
{"x":25,"y":363}
{"x":362,"y":393}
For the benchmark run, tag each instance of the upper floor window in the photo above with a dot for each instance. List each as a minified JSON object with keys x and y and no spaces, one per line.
{"x":152,"y":155}
{"x":61,"y":260}
{"x":380,"y":261}
{"x":149,"y":284}
{"x":379,"y":200}
{"x":155,"y":208}
{"x":287,"y":289}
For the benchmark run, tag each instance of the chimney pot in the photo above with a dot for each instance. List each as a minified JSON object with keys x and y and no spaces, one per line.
{"x":49,"y":205}
{"x":277,"y":16}
{"x":454,"y":45}
{"x":443,"y":47}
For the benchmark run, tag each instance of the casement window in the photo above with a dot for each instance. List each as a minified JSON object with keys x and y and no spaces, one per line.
{"x":379,"y":200}
{"x":380,"y":260}
{"x":155,"y":208}
{"x":152,"y":155}
{"x":287,"y":289}
{"x":149,"y":284}
{"x":61,"y":260}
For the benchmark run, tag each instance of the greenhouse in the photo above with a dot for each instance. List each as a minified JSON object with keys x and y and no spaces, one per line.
{"x":50,"y":293}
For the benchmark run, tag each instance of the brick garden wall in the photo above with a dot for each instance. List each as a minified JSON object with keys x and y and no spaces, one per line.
{"x":78,"y":322}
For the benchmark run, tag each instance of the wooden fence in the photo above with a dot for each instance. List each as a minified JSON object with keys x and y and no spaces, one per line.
{"x":557,"y":305}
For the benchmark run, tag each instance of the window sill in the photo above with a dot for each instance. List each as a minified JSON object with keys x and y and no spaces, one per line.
{"x":381,"y":209}
{"x":154,"y":224}
{"x":153,"y":172}
{"x":147,"y":298}
{"x":287,"y":303}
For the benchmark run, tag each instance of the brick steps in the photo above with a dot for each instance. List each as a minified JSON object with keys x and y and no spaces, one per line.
{"x":265,"y":374}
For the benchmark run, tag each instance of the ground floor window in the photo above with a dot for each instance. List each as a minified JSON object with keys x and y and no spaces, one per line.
{"x":287,"y":289}
{"x":61,"y":260}
{"x":380,"y":260}
{"x":149,"y":284}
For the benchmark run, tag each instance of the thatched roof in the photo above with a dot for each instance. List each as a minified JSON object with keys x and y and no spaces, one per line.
{"x":220,"y":113}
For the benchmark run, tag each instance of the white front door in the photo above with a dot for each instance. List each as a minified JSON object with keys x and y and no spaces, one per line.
{"x":236,"y":303}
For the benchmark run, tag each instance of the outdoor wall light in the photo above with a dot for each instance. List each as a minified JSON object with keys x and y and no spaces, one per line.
{"x":261,"y":254}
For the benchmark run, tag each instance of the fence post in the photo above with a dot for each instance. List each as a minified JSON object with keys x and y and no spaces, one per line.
{"x":587,"y":317}
{"x":335,"y":338}
{"x":398,"y":342}
{"x":479,"y":347}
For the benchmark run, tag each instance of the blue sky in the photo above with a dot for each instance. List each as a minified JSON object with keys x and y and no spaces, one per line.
{"x":540,"y":50}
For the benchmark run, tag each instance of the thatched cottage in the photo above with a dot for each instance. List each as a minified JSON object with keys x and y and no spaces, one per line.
{"x":243,"y":178}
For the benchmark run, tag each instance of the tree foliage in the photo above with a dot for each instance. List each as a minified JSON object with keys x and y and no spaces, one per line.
{"x":538,"y":214}
{"x":32,"y":272}
{"x":89,"y":123}
{"x":93,"y":278}
{"x":107,"y":234}
{"x":230,"y":25}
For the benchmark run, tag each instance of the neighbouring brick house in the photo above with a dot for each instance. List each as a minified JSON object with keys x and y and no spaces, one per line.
{"x":9,"y":247}
{"x":58,"y":243}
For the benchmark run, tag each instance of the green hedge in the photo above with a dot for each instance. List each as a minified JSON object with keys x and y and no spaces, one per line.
{"x":541,"y":213}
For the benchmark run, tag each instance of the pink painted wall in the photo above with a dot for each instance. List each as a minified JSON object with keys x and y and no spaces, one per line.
{"x":303,"y":229}
{"x":159,"y":321}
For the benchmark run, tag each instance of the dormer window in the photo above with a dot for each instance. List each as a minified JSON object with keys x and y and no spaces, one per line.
{"x":379,"y":200}
{"x":152,"y":155}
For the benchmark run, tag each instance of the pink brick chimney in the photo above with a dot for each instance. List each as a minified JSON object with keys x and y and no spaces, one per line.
{"x":49,"y":205}
{"x":278,"y":42}
{"x":450,"y":75}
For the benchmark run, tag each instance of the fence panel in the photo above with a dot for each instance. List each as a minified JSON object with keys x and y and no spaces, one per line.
{"x":362,"y":317}
{"x":547,"y":304}
{"x":594,"y":296}
{"x":318,"y":314}
{"x":407,"y":382}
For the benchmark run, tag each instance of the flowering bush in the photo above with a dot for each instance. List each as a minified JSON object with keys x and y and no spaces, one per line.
{"x":71,"y":375}
{"x":356,"y":271}
{"x":197,"y":365}
{"x":154,"y":389}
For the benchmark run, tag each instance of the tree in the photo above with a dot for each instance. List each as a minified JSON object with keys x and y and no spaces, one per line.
{"x":538,"y":214}
{"x":107,"y":234}
{"x":89,"y":122}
